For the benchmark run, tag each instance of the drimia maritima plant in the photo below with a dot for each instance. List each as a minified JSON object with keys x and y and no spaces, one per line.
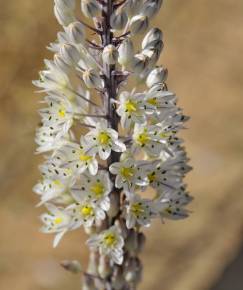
{"x":113,"y":161}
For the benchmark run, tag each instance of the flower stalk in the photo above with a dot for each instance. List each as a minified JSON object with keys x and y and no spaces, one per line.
{"x":97,"y":179}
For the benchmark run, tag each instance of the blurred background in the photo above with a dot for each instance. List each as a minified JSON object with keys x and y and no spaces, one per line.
{"x":203,"y":52}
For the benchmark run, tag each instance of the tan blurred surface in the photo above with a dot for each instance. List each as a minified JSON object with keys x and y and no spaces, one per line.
{"x":203,"y":52}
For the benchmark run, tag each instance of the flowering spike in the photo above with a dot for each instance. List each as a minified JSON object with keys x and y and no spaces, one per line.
{"x":129,"y":140}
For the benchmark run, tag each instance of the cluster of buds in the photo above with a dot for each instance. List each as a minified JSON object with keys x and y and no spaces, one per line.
{"x":113,"y":160}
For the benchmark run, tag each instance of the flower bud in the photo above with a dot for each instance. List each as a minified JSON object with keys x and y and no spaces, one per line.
{"x":93,"y":263}
{"x":118,"y":281}
{"x":133,"y":271}
{"x":109,"y":54}
{"x":152,"y":38}
{"x":151,"y":7}
{"x":138,"y":24}
{"x":65,"y":4}
{"x":114,"y":208}
{"x":141,"y":242}
{"x":157,"y":75}
{"x":60,"y":63}
{"x":133,"y":6}
{"x":140,"y":63}
{"x":75,"y":32}
{"x":119,"y":19}
{"x":104,"y":268}
{"x":90,"y":8}
{"x":92,"y":79}
{"x":72,"y":266}
{"x":70,"y":54}
{"x":126,"y":52}
{"x":132,"y":242}
{"x":88,"y":283}
{"x":64,"y":16}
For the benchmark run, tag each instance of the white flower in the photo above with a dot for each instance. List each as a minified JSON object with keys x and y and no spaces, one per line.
{"x":150,"y":139}
{"x":139,"y":211}
{"x":95,"y":188}
{"x":119,"y":18}
{"x":131,"y":109}
{"x":77,"y":158}
{"x":70,"y":54}
{"x":57,"y":190}
{"x":130,"y":173}
{"x":110,"y":243}
{"x":92,"y":79}
{"x":173,"y":204}
{"x":64,"y":11}
{"x":85,"y":212}
{"x":156,"y":76}
{"x":57,"y":221}
{"x":103,"y":139}
{"x":76,"y":32}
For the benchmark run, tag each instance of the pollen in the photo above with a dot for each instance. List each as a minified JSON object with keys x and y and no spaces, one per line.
{"x":127,"y":172}
{"x":97,"y":189}
{"x":143,"y":139}
{"x":84,"y":158}
{"x":58,"y":220}
{"x":152,"y":177}
{"x":110,"y":240}
{"x":137,"y":208}
{"x":152,"y":101}
{"x":130,"y":106}
{"x":62,"y":113}
{"x":86,"y":210}
{"x":57,"y":183}
{"x":104,"y":138}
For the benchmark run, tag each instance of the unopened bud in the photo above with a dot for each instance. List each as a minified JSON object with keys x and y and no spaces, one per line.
{"x":119,"y":19}
{"x":93,"y":263}
{"x":140,"y":63}
{"x":65,"y":4}
{"x":133,"y":271}
{"x":157,"y":75}
{"x":139,"y":24}
{"x":90,"y":8}
{"x":71,"y":266}
{"x":126,"y":52}
{"x":88,"y":283}
{"x":76,"y":32}
{"x":110,"y":54}
{"x":64,"y":16}
{"x":60,"y":63}
{"x":151,"y":7}
{"x":132,"y":242}
{"x":152,"y":38}
{"x":104,"y":267}
{"x":92,"y":79}
{"x":70,"y":54}
{"x":118,"y":281}
{"x":115,"y":204}
{"x":141,"y":241}
{"x":133,"y":6}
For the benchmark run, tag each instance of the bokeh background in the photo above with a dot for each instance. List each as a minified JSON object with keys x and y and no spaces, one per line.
{"x":203,"y":52}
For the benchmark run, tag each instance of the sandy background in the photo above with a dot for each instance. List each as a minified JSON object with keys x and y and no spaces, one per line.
{"x":203,"y":52}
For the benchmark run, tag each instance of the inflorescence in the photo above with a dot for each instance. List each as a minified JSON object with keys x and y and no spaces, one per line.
{"x":113,"y":158}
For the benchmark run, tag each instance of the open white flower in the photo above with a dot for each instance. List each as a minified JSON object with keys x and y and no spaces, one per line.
{"x":77,"y":158}
{"x":94,"y":188}
{"x":110,"y":243}
{"x":139,"y":211}
{"x":131,"y":109}
{"x":130,"y":173}
{"x":85,"y":212}
{"x":57,"y":221}
{"x":103,"y":139}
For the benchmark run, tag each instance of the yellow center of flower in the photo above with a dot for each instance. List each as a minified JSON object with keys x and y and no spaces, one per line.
{"x":57,"y":183}
{"x":97,"y":189}
{"x":58,"y":220}
{"x":137,"y":208}
{"x":104,"y":138}
{"x":143,"y":138}
{"x":152,"y":177}
{"x":62,"y":113}
{"x":130,"y":106}
{"x":152,"y":101}
{"x":86,"y":210}
{"x":164,"y":134}
{"x":110,"y":240}
{"x":127,"y":172}
{"x":84,"y":158}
